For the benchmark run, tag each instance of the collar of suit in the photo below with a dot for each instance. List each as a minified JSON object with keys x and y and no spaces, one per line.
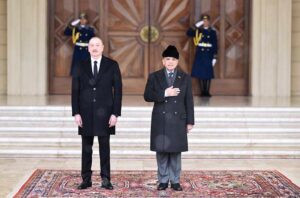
{"x":161,"y":75}
{"x":87,"y":68}
{"x":168,"y":71}
{"x":98,"y":63}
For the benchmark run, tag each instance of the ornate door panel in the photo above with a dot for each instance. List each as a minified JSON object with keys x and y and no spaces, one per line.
{"x":62,"y":12}
{"x":170,"y":20}
{"x":136,"y":32}
{"x":123,"y":32}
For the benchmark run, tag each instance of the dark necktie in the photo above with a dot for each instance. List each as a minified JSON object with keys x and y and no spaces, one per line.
{"x":171,"y":77}
{"x":95,"y":69}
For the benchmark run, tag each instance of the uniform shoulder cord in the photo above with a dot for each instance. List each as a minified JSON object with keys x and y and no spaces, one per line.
{"x":75,"y":35}
{"x":197,"y":38}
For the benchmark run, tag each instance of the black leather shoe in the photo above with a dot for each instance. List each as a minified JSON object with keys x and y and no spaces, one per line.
{"x":106,"y":184}
{"x":84,"y":185}
{"x":176,"y":187}
{"x":162,"y":186}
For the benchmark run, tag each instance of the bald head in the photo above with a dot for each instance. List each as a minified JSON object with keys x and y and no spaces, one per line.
{"x":96,"y":47}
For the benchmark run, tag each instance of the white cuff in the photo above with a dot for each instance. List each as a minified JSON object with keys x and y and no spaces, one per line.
{"x":166,"y":94}
{"x":75,"y":22}
{"x":214,"y":61}
{"x":199,"y":23}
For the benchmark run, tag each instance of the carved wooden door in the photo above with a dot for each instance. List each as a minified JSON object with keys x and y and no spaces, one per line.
{"x":62,"y":12}
{"x":135,"y":32}
{"x":121,"y":34}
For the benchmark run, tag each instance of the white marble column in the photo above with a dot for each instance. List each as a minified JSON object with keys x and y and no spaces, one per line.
{"x":27,"y":47}
{"x":271,"y":48}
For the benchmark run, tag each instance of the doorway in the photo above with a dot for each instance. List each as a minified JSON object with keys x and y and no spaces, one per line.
{"x":135,"y":32}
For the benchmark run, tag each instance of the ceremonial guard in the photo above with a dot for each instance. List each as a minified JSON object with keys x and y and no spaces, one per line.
{"x":205,"y":40}
{"x":81,"y":34}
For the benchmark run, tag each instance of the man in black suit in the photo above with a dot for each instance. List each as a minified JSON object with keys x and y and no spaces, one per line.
{"x":96,"y":104}
{"x":172,"y":117}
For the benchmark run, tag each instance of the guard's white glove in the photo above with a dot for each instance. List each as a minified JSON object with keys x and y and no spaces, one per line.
{"x":75,"y":22}
{"x":214,"y":62}
{"x":199,"y":24}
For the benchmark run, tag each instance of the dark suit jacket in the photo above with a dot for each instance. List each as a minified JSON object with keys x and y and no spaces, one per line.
{"x":170,"y":115}
{"x":97,"y":99}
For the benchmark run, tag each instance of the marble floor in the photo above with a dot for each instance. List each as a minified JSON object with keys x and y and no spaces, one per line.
{"x":14,"y":172}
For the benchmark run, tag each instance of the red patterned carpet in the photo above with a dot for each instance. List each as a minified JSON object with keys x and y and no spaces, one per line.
{"x":63,"y":183}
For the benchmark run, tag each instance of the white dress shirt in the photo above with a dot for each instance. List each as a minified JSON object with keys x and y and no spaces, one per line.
{"x":98,"y":64}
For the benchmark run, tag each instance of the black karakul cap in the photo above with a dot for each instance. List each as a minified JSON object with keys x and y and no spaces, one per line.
{"x":171,"y":51}
{"x":205,"y":16}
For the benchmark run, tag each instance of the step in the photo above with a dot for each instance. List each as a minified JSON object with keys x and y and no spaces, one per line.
{"x":120,"y":135}
{"x":147,"y":130}
{"x":147,"y":127}
{"x":146,"y":111}
{"x":225,"y":132}
{"x":145,"y":142}
{"x":36,"y":118}
{"x":224,"y":153}
{"x":4,"y":119}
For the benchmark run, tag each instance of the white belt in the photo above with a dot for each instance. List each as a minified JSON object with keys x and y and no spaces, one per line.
{"x":205,"y":45}
{"x":82,"y":44}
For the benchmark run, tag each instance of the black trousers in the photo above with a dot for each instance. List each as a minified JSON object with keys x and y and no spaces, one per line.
{"x":86,"y":156}
{"x":204,"y":87}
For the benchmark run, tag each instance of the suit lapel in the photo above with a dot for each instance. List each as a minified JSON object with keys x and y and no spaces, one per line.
{"x":161,"y":77}
{"x":103,"y":67}
{"x":178,"y":78}
{"x":88,"y":68}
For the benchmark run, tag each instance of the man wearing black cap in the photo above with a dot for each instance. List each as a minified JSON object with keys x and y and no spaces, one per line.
{"x":81,"y":34}
{"x":172,"y":117}
{"x":205,"y":38}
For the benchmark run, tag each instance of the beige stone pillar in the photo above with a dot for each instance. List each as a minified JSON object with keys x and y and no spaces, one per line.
{"x":296,"y":48}
{"x":271,"y":48}
{"x":3,"y":47}
{"x":27,"y":47}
